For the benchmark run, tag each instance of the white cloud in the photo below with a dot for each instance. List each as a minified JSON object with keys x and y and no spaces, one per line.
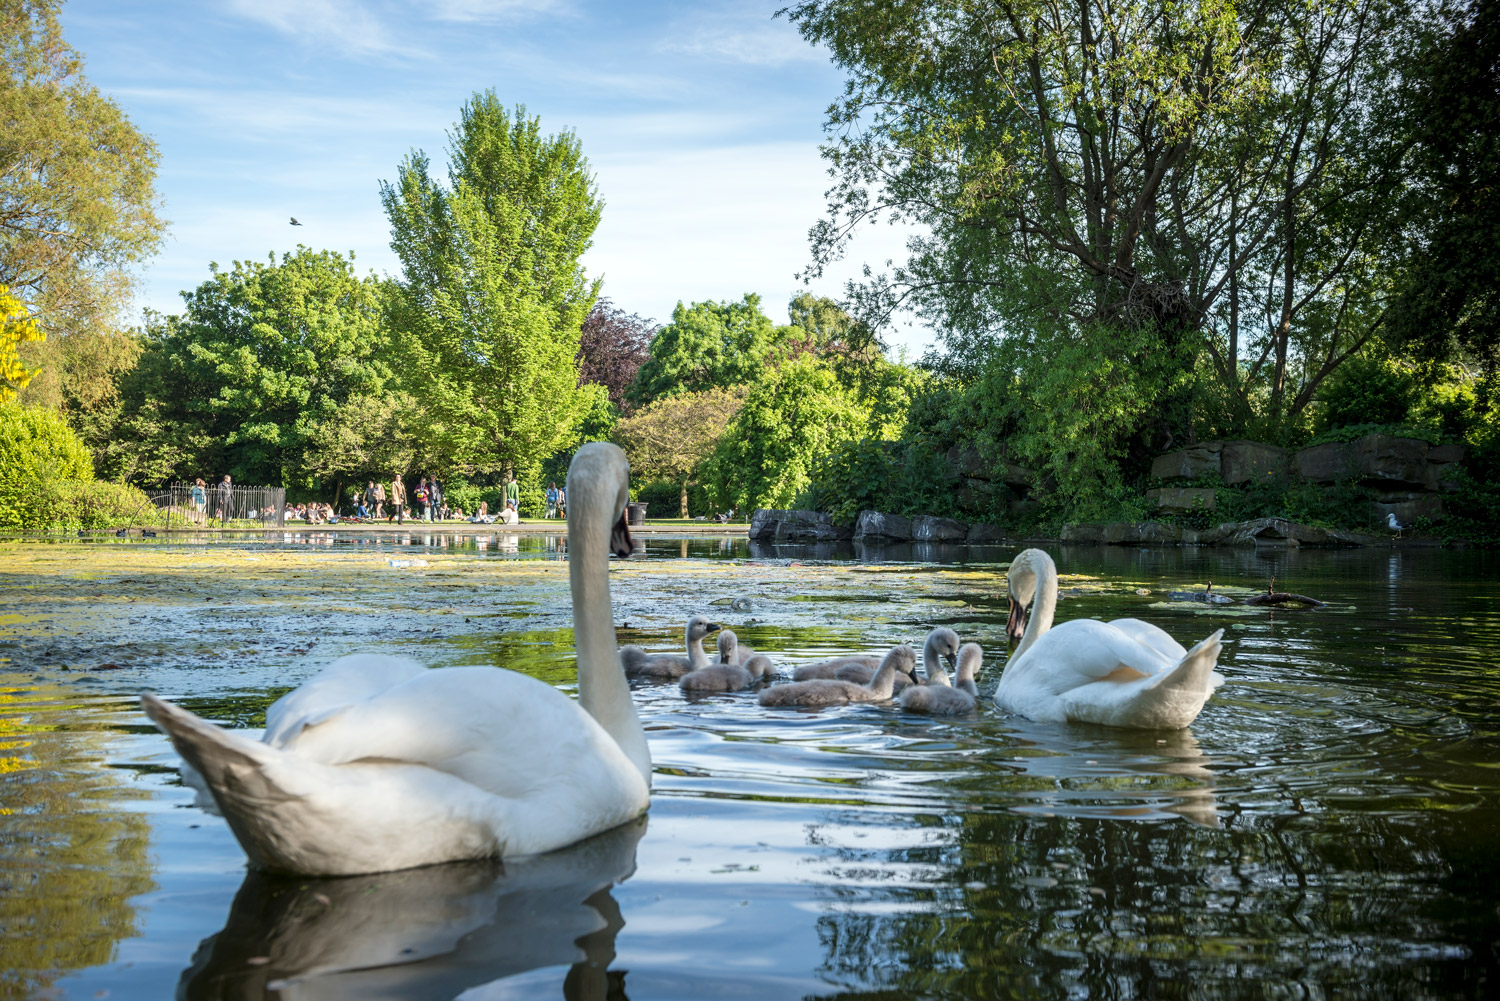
{"x":470,"y":11}
{"x":348,"y":25}
{"x":740,"y":34}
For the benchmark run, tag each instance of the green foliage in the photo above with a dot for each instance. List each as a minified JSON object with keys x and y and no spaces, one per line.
{"x":1344,"y":505}
{"x":253,"y":379}
{"x":672,"y":437}
{"x":707,"y":345}
{"x":1354,"y":432}
{"x":1447,"y":305}
{"x":77,"y":180}
{"x":1368,"y":389}
{"x":797,"y":413}
{"x":47,"y":477}
{"x":493,"y":293}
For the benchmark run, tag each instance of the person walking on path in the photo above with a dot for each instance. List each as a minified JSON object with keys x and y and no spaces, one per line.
{"x":379,"y":500}
{"x":435,"y":498}
{"x":552,"y":499}
{"x":226,"y":498}
{"x":398,"y":500}
{"x":200,"y":501}
{"x":422,"y":499}
{"x":512,"y":490}
{"x":369,"y":500}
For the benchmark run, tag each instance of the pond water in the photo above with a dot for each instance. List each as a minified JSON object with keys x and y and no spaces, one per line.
{"x":1327,"y":827}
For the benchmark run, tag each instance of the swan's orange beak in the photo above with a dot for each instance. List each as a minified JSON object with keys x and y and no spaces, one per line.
{"x":619,"y":539}
{"x":1015,"y":625}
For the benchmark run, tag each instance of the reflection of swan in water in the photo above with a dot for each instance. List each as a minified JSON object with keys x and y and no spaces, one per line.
{"x":1088,"y":765}
{"x":433,"y":932}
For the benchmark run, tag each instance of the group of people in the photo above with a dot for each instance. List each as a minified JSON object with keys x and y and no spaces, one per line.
{"x":223,"y":495}
{"x":426,"y":502}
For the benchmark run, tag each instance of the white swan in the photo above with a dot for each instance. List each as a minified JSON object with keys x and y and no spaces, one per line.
{"x":378,"y":764}
{"x":833,"y":692}
{"x":938,"y":697}
{"x":730,"y":650}
{"x":1123,"y":673}
{"x":727,"y":677}
{"x":640,"y":664}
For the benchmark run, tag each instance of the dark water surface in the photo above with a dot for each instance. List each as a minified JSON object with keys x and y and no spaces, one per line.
{"x":1330,"y":826}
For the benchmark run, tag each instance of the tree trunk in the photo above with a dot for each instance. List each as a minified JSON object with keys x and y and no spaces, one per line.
{"x":684,"y":513}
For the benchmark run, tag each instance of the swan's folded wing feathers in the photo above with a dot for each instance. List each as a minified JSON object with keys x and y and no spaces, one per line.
{"x":1083,"y":651}
{"x":344,"y":682}
{"x":1152,"y":636}
{"x":491,"y":741}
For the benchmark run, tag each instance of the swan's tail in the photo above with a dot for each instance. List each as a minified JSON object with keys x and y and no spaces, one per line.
{"x":1167,"y":701}
{"x":1195,"y":671}
{"x":228,"y":763}
{"x":248,"y":779}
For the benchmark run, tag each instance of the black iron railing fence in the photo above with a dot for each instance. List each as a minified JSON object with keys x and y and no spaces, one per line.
{"x":213,"y":505}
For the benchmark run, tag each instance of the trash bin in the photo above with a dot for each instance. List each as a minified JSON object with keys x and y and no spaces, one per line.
{"x":637,"y":513}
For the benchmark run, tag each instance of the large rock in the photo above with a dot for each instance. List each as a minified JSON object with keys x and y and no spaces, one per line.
{"x":1188,"y":463}
{"x":879,"y":525}
{"x":1444,"y":462}
{"x":1408,"y":508}
{"x":1085,"y":532}
{"x":981,"y":533}
{"x":1334,"y":462}
{"x":928,"y":528}
{"x":1247,"y":461}
{"x":966,"y":461}
{"x":1385,"y":460}
{"x":1273,"y":532}
{"x":768,"y":524}
{"x":1182,"y":498}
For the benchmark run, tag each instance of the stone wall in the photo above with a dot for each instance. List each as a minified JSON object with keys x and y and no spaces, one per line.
{"x":1408,"y":476}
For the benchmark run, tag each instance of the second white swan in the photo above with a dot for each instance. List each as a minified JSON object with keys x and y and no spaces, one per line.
{"x":1125,"y":673}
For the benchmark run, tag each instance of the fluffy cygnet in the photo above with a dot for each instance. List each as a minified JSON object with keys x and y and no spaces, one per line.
{"x":640,"y":664}
{"x":941,"y":699}
{"x":730,"y":650}
{"x":834,"y":692}
{"x":728,"y":677}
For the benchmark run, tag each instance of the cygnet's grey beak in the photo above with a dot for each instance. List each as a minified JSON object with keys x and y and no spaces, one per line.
{"x":1015,"y":625}
{"x":619,"y":538}
{"x":713,"y":627}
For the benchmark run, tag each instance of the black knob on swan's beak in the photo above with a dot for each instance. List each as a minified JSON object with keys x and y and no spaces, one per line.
{"x":619,"y":539}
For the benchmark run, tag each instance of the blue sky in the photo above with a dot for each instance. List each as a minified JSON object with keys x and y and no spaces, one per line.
{"x":700,"y":120}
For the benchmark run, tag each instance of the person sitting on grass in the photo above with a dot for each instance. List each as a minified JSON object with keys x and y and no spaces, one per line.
{"x":509,"y":515}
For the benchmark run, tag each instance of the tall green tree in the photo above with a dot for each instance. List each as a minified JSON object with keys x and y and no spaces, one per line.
{"x":1448,"y":300}
{"x":1206,"y":171}
{"x":796,"y":414}
{"x":78,"y":203}
{"x":671,"y":438}
{"x":707,"y":344}
{"x":256,"y":372}
{"x":493,"y":290}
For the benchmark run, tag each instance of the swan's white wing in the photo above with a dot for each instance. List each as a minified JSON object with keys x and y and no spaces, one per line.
{"x":1069,"y":656}
{"x":1154,"y":637}
{"x":508,"y":734}
{"x":339,"y":685}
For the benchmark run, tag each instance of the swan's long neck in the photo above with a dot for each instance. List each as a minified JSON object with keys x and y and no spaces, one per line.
{"x":602,"y":689}
{"x":1043,"y":604}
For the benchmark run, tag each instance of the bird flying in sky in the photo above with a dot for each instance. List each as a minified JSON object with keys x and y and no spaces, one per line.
{"x":295,"y":222}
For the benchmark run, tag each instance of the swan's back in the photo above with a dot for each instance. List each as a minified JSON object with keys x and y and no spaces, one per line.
{"x":718,"y":678}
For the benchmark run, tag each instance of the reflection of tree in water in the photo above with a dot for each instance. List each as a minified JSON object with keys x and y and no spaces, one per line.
{"x":70,"y":857}
{"x":433,"y":932}
{"x":1015,"y":905}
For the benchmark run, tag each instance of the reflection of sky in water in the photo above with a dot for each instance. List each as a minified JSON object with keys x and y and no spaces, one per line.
{"x":1326,"y":825}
